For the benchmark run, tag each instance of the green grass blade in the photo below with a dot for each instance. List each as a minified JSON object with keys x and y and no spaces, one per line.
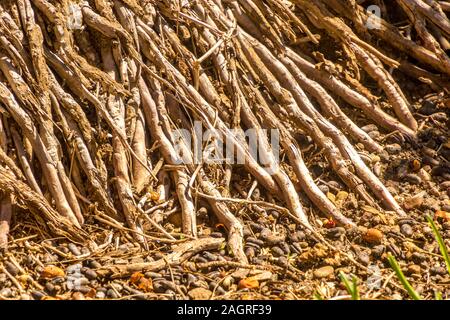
{"x":355,"y":294}
{"x":394,"y":264}
{"x":352,"y":287}
{"x":318,"y":296}
{"x":441,"y":243}
{"x":438,"y":295}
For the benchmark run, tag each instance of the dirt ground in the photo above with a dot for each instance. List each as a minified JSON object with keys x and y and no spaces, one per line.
{"x":286,"y":262}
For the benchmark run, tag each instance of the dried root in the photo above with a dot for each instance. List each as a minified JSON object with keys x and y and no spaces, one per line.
{"x":92,"y":106}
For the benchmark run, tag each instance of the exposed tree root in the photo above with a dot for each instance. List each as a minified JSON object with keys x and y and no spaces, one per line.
{"x":92,"y":105}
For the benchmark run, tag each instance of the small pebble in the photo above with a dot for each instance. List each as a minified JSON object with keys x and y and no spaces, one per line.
{"x":285,"y":247}
{"x":370,"y":127}
{"x":158,"y":287}
{"x":374,"y":134}
{"x":6,"y":292}
{"x":336,"y":185}
{"x":112,"y":294}
{"x":413,"y":178}
{"x":90,"y":274}
{"x":50,"y":287}
{"x":216,"y":235}
{"x":199,"y":294}
{"x":150,"y":274}
{"x":418,"y":257}
{"x":414,"y":269}
{"x":74,"y":249}
{"x":275,"y":214}
{"x":393,"y":148}
{"x":256,"y":227}
{"x":277,"y":251}
{"x":270,"y":238}
{"x":25,"y":296}
{"x":227,"y":282}
{"x":117,"y":286}
{"x":84,"y":289}
{"x":100,"y":295}
{"x":324,"y":188}
{"x":258,"y":242}
{"x":168,"y":285}
{"x":137,"y":294}
{"x":191,"y":279}
{"x":283,"y":261}
{"x":63,"y":249}
{"x":250,"y":252}
{"x":373,"y":236}
{"x":364,"y":258}
{"x":414,"y":201}
{"x":78,"y":296}
{"x":296,"y":247}
{"x":377,"y":251}
{"x":49,"y":258}
{"x":394,"y":250}
{"x":220,"y":291}
{"x":406,"y":230}
{"x":323,"y":272}
{"x":297,"y":236}
{"x":199,"y":259}
{"x":425,"y":176}
{"x":11,"y":268}
{"x":95,"y":264}
{"x":429,"y":160}
{"x":336,"y":232}
{"x":428,"y":108}
{"x":438,"y":270}
{"x":37,"y":295}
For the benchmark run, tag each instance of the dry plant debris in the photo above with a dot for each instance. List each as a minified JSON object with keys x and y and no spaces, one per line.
{"x":95,"y":202}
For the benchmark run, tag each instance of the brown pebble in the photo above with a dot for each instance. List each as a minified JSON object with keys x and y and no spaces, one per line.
{"x":425,"y":176}
{"x":11,"y":268}
{"x":373,"y":236}
{"x":414,"y":269}
{"x":324,"y":272}
{"x":199,"y":294}
{"x":393,"y":148}
{"x":414,"y":201}
{"x":52,"y":272}
{"x":406,"y":230}
{"x":442,"y":215}
{"x":78,"y":296}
